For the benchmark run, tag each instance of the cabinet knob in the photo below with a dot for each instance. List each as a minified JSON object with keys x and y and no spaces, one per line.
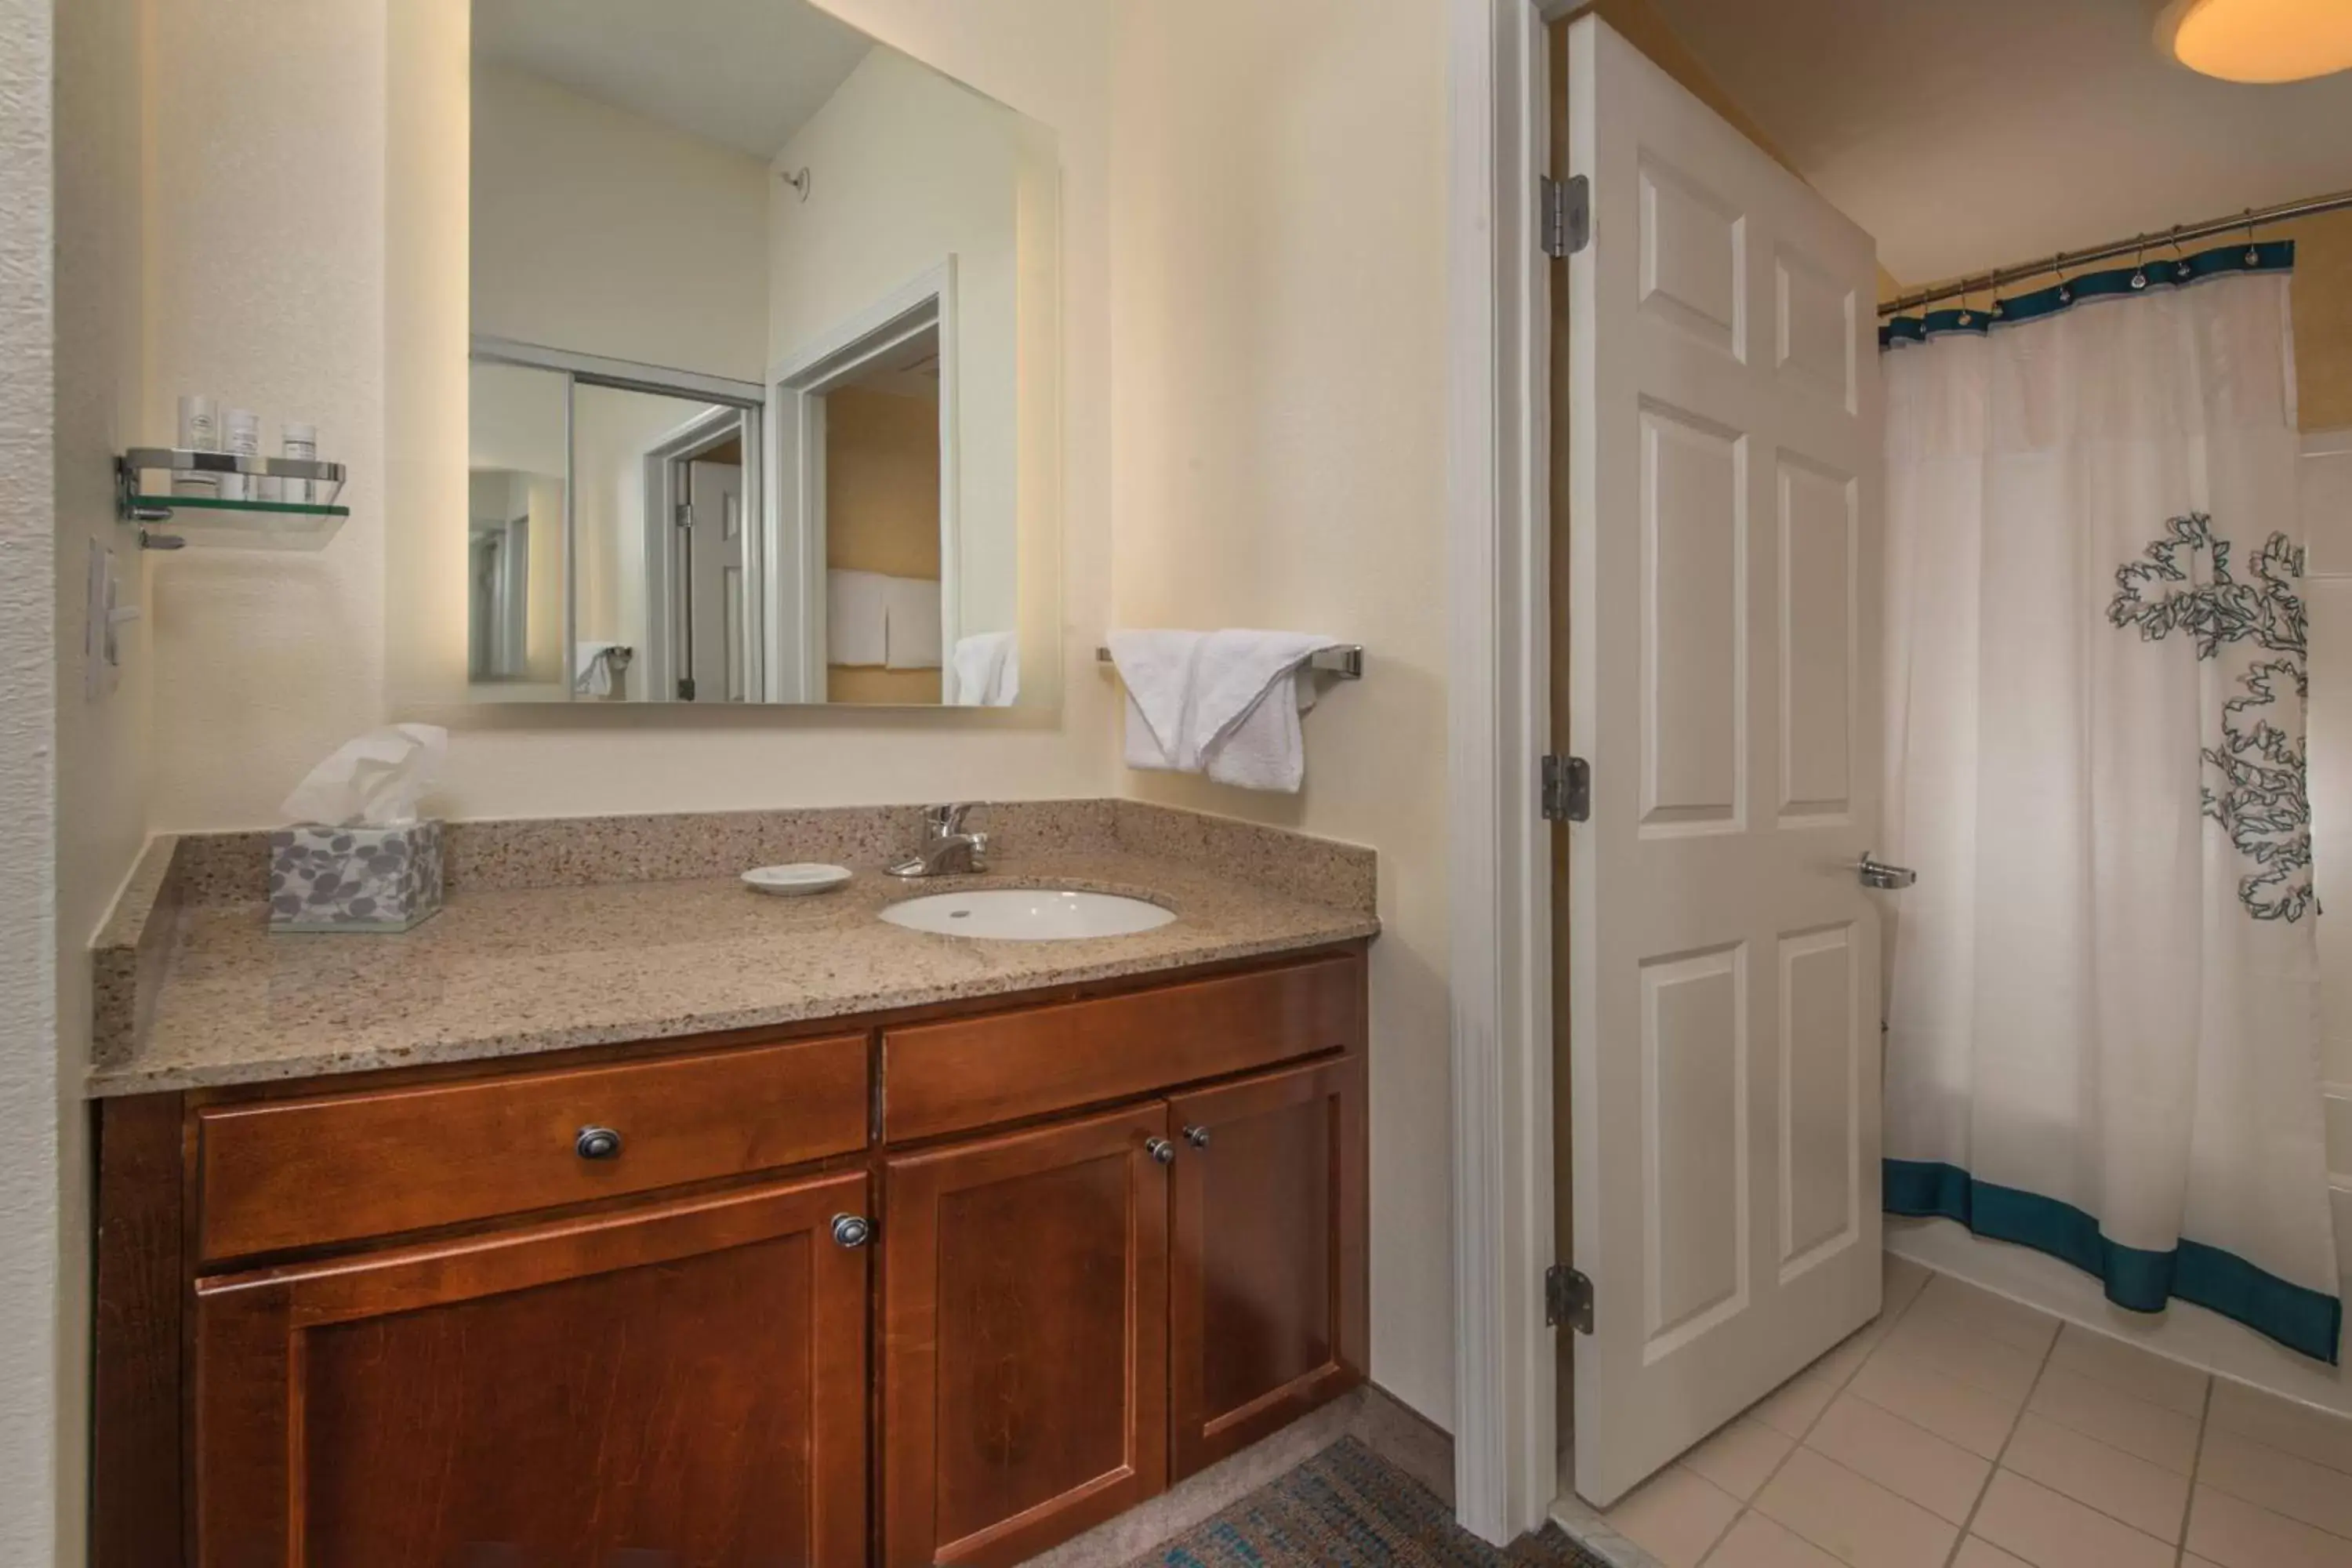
{"x":1161,"y":1150}
{"x":852,"y":1230}
{"x":1197,"y":1135}
{"x":597,"y":1143}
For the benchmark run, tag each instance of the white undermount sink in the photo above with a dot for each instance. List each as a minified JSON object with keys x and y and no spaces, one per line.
{"x":1028,"y":914}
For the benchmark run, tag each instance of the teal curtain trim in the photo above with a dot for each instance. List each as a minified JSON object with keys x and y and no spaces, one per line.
{"x":2298,"y":1318}
{"x":2272,"y":255}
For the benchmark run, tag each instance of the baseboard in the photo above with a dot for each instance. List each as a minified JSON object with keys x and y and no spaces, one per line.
{"x":1369,"y":1413}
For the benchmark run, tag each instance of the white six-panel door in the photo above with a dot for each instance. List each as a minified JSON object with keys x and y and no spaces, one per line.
{"x":1723,"y":560}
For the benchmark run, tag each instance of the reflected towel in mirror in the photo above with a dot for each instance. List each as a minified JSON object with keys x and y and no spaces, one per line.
{"x":985,"y":671}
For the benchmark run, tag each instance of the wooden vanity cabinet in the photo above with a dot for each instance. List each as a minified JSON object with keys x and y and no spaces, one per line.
{"x":1267,"y":1274}
{"x":1077,"y":1315}
{"x":1025,"y":1337}
{"x":685,"y":1380}
{"x":595,"y":1310}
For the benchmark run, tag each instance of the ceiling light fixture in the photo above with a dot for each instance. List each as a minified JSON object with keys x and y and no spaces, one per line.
{"x":2258,"y":40}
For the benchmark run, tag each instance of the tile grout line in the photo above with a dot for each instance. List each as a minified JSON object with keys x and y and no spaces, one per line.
{"x":1747,"y":1504}
{"x":2196,"y":1466}
{"x":1968,"y":1526}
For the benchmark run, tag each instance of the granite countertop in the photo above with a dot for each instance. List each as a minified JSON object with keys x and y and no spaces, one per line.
{"x":507,"y":971}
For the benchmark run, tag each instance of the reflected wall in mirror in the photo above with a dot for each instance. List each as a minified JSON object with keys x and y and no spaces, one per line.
{"x":763,"y":352}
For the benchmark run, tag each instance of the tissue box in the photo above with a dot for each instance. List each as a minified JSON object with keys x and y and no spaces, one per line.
{"x":355,"y":879}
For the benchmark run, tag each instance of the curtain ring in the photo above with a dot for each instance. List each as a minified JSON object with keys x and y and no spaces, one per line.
{"x":2180,"y":267}
{"x":2253,"y":251}
{"x":2140,"y":265}
{"x":1964,"y":317}
{"x":2065,"y":290}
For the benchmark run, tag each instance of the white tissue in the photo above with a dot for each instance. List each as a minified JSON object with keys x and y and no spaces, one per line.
{"x":374,"y":780}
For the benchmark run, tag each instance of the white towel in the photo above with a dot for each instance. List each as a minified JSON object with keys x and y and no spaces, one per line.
{"x":857,"y":618}
{"x":1157,"y":668}
{"x":591,"y":672}
{"x":985,"y":671}
{"x":1226,"y":703}
{"x":913,"y":605}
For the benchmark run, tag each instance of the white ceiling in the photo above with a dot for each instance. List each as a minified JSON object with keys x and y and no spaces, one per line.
{"x":743,"y":73}
{"x":1971,"y":136}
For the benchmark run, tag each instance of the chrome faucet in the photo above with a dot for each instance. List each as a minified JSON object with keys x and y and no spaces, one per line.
{"x":947,"y":848}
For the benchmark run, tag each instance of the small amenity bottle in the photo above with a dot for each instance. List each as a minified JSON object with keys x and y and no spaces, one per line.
{"x":243,"y":426}
{"x":299,"y":441}
{"x":199,"y":432}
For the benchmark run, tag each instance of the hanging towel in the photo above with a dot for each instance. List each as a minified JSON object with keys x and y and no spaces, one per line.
{"x":591,"y":671}
{"x":985,"y":671}
{"x":913,"y":608}
{"x":857,"y":618}
{"x":1225,"y":703}
{"x":1157,"y":669}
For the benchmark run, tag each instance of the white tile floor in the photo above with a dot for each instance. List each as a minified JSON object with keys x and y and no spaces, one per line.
{"x":1962,"y":1430}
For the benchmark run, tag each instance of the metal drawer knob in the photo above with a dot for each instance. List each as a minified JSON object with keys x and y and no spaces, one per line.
{"x":852,"y":1230}
{"x":597,"y":1143}
{"x":1197,"y":1136}
{"x":1162,"y":1149}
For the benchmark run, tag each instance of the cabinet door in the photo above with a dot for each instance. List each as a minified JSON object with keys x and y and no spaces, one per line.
{"x":679,"y":1384}
{"x":1025,"y":1354}
{"x":1266,"y":1280}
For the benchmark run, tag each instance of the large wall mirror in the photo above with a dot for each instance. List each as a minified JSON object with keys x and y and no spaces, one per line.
{"x":762,"y":402}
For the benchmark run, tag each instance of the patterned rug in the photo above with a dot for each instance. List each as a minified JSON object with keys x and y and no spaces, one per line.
{"x":1347,"y":1505}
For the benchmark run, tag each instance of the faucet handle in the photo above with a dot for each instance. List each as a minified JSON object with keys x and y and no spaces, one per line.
{"x":943,"y":820}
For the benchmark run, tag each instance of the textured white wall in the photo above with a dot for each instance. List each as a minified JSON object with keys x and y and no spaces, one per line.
{"x":101,"y":740}
{"x":30,"y":1171}
{"x":1278,"y":314}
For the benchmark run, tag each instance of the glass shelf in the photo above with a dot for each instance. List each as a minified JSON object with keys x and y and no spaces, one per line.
{"x":236,"y":522}
{"x":214,"y":503}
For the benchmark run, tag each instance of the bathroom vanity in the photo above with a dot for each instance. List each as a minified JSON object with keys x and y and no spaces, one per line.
{"x":951,"y":1280}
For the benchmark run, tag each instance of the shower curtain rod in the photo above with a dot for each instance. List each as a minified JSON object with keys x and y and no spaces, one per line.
{"x":2250,"y":218}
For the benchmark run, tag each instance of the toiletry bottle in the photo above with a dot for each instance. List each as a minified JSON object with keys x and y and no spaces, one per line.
{"x":199,"y":432}
{"x":299,"y":441}
{"x":244,"y":440}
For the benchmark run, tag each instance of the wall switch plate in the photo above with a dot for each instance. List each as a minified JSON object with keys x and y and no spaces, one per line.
{"x":101,"y":645}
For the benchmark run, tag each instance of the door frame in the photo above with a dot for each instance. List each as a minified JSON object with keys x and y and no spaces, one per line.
{"x":1498,"y":721}
{"x":664,"y":462}
{"x":796,"y":455}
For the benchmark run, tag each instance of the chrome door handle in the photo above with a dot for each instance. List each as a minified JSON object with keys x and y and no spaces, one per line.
{"x":851,"y":1230}
{"x":1161,"y":1150}
{"x":1889,"y":879}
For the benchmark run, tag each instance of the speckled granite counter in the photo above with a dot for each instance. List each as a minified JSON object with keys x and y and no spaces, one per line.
{"x":589,"y":930}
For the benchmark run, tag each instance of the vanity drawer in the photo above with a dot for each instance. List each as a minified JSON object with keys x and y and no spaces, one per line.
{"x":977,"y":1072}
{"x":306,"y":1172}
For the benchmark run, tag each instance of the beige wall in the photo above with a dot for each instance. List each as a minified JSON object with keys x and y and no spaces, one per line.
{"x":909,"y":168}
{"x":881,"y":514}
{"x":607,"y":233}
{"x":2323,"y":318}
{"x":1278,"y":332}
{"x":289,"y":183}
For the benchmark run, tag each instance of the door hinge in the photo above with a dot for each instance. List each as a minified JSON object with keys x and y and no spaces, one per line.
{"x":1567,"y":1298}
{"x":685,"y":689}
{"x":1567,"y":214}
{"x":685,"y":514}
{"x":1566,"y":789}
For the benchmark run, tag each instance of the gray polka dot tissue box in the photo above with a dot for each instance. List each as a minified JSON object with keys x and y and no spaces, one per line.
{"x":355,"y":879}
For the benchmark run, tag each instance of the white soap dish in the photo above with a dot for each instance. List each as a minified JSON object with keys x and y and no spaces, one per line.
{"x":797,"y":881}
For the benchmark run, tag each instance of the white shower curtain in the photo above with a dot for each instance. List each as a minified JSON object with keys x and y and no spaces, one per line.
{"x":2103,"y":1013}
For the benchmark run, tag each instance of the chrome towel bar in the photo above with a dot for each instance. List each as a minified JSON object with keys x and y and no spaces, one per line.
{"x":1345,"y":661}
